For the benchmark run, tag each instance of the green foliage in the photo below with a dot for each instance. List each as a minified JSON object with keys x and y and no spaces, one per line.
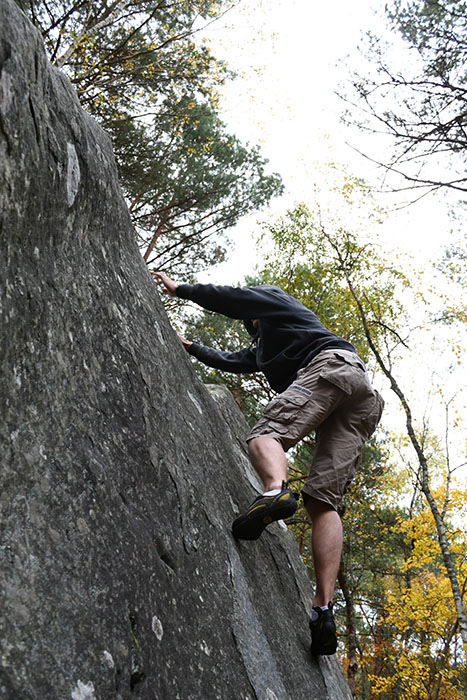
{"x":312,"y":258}
{"x":204,"y":181}
{"x":437,"y":30}
{"x":140,"y":70}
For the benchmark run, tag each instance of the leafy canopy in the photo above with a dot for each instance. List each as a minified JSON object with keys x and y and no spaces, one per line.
{"x":140,"y":69}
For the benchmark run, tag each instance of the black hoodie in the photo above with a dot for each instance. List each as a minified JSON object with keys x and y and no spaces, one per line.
{"x":288,"y":336}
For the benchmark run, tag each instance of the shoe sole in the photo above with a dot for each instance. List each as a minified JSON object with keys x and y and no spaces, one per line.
{"x":251,"y":526}
{"x":325,"y":649}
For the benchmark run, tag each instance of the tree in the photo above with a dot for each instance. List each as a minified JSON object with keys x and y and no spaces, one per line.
{"x":417,"y":94}
{"x":346,"y":280}
{"x":305,"y":269}
{"x":139,"y":68}
{"x":303,"y":262}
{"x":373,"y":552}
{"x":415,"y":652}
{"x":366,"y":294}
{"x":424,"y":475}
{"x":193,"y":196}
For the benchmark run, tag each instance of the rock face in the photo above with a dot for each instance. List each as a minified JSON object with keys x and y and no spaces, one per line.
{"x":121,"y":473}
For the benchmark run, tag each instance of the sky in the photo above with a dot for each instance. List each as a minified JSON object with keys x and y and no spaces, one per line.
{"x":291,"y":56}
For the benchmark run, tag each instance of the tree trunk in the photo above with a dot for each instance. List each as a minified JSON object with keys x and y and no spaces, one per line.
{"x":157,"y":234}
{"x":447,"y":556}
{"x":107,"y":19}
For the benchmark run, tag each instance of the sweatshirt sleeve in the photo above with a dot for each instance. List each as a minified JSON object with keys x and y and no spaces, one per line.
{"x":236,"y":362}
{"x":237,"y":302}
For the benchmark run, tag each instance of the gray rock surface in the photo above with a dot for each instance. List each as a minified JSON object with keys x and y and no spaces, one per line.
{"x":121,"y":473}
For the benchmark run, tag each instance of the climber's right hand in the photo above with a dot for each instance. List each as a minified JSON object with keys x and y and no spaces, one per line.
{"x":168,"y":285}
{"x":186,"y":343}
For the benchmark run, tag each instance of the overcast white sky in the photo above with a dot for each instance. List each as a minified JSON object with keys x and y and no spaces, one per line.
{"x":291,"y":56}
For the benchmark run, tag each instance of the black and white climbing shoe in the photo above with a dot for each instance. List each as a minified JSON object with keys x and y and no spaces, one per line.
{"x":263,"y":511}
{"x":323,"y":632}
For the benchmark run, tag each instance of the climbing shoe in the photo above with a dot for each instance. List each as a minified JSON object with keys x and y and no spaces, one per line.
{"x":323,"y":632}
{"x":263,"y":511}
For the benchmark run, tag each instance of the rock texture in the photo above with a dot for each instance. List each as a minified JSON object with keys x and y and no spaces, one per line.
{"x":120,"y":472}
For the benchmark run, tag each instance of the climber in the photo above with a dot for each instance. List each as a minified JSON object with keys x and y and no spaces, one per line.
{"x":322,"y":386}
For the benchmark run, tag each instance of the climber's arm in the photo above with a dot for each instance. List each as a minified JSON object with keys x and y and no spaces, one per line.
{"x":243,"y":303}
{"x":242,"y":361}
{"x":236,"y":362}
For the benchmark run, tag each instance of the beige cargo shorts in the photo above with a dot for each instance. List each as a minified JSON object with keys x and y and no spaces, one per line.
{"x":333,"y":397}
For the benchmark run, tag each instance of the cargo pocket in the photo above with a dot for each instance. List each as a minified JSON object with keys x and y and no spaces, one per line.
{"x":374,"y":416}
{"x":345,"y":373}
{"x":287,"y":407}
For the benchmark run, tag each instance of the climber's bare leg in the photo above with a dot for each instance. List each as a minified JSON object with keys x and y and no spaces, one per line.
{"x":268,"y":458}
{"x":326,"y":543}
